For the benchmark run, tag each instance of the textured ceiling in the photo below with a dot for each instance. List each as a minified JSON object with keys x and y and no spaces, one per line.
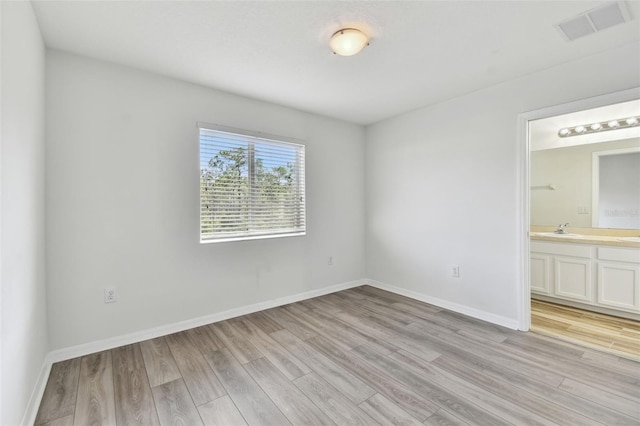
{"x":421,"y":52}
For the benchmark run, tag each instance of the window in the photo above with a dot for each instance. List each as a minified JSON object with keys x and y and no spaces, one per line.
{"x":250,"y":186}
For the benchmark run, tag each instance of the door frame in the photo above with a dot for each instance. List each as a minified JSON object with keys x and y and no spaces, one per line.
{"x":524,"y":287}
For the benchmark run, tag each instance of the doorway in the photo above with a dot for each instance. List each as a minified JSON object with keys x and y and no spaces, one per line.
{"x":575,"y":272}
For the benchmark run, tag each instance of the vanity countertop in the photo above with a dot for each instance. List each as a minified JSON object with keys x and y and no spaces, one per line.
{"x":586,"y":239}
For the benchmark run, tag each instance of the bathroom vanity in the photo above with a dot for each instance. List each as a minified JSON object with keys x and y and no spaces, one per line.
{"x":600,"y":273}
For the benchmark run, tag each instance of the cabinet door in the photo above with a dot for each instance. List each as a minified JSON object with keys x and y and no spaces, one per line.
{"x":540,"y":273}
{"x":619,"y":286}
{"x":572,"y":279}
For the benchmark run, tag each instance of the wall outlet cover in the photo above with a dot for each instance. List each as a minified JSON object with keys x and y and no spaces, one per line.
{"x":110,"y":295}
{"x":455,"y":271}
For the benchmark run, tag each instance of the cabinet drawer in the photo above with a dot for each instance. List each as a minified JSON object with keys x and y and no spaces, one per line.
{"x":562,"y":249}
{"x":619,"y":254}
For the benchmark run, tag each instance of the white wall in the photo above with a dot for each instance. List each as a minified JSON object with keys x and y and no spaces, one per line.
{"x":24,"y":327}
{"x":569,"y":170}
{"x":122,"y":203}
{"x":442,"y":184}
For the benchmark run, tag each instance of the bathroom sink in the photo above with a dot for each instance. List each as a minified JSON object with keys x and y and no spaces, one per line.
{"x":553,"y":234}
{"x":632,"y":239}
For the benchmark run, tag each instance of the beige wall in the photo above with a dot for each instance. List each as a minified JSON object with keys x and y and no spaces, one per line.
{"x":569,"y":170}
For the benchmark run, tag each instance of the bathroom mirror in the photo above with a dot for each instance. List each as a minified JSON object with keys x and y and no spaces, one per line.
{"x":616,"y":188}
{"x":588,"y":181}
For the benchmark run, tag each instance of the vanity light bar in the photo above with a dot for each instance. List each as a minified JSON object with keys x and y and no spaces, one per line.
{"x":585,"y":129}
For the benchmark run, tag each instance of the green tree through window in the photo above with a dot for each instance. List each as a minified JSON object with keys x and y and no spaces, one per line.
{"x":249,"y":187}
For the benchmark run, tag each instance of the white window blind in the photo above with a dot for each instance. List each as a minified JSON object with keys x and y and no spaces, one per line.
{"x":250,"y":187}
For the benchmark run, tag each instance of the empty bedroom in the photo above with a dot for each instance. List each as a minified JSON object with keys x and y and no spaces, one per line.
{"x":317,"y":212}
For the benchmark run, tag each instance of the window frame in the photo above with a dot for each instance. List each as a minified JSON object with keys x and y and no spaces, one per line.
{"x":252,"y":138}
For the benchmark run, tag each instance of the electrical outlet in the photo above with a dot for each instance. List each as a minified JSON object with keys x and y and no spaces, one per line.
{"x":330,"y":261}
{"x":455,"y":271}
{"x":110,"y":295}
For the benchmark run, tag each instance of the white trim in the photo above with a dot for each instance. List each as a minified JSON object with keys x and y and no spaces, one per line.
{"x":1,"y":287}
{"x":253,"y":237}
{"x":138,"y":336}
{"x":595,"y":189}
{"x":38,"y":390}
{"x":250,"y":133}
{"x":522,"y":249}
{"x":523,"y":290}
{"x":462,"y":309}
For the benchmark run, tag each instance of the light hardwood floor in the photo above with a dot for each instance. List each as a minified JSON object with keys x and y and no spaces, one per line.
{"x":358,"y":357}
{"x":619,"y":336}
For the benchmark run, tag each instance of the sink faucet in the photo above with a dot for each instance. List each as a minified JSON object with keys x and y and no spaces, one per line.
{"x":561,"y":227}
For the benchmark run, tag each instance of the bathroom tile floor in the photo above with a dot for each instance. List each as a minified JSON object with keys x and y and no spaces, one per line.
{"x":619,"y":336}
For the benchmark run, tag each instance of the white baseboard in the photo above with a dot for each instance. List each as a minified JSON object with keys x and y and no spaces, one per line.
{"x":138,"y":336}
{"x":38,"y":390}
{"x":462,"y":309}
{"x":114,"y":342}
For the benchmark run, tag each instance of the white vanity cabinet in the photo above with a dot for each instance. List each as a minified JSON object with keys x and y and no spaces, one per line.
{"x":618,"y":272}
{"x":540,"y":271}
{"x":562,"y":270}
{"x":590,"y":274}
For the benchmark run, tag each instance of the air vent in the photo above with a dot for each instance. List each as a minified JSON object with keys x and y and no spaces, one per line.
{"x":576,"y":27}
{"x":594,"y":20}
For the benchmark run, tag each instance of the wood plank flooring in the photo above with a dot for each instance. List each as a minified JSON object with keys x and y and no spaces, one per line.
{"x":357,"y":357}
{"x":619,"y":336}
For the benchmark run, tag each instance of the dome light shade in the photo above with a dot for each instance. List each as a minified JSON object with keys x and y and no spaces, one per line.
{"x":348,"y":41}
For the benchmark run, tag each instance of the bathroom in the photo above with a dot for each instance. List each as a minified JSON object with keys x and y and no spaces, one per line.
{"x":585,"y":227}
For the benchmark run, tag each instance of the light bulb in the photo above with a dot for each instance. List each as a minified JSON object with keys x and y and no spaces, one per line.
{"x":580,"y":129}
{"x":596,"y":126}
{"x":632,"y":121}
{"x":564,"y":132}
{"x":613,"y":124}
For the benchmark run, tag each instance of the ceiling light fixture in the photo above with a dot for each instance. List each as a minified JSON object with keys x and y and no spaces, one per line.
{"x":348,"y":41}
{"x":601,"y":126}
